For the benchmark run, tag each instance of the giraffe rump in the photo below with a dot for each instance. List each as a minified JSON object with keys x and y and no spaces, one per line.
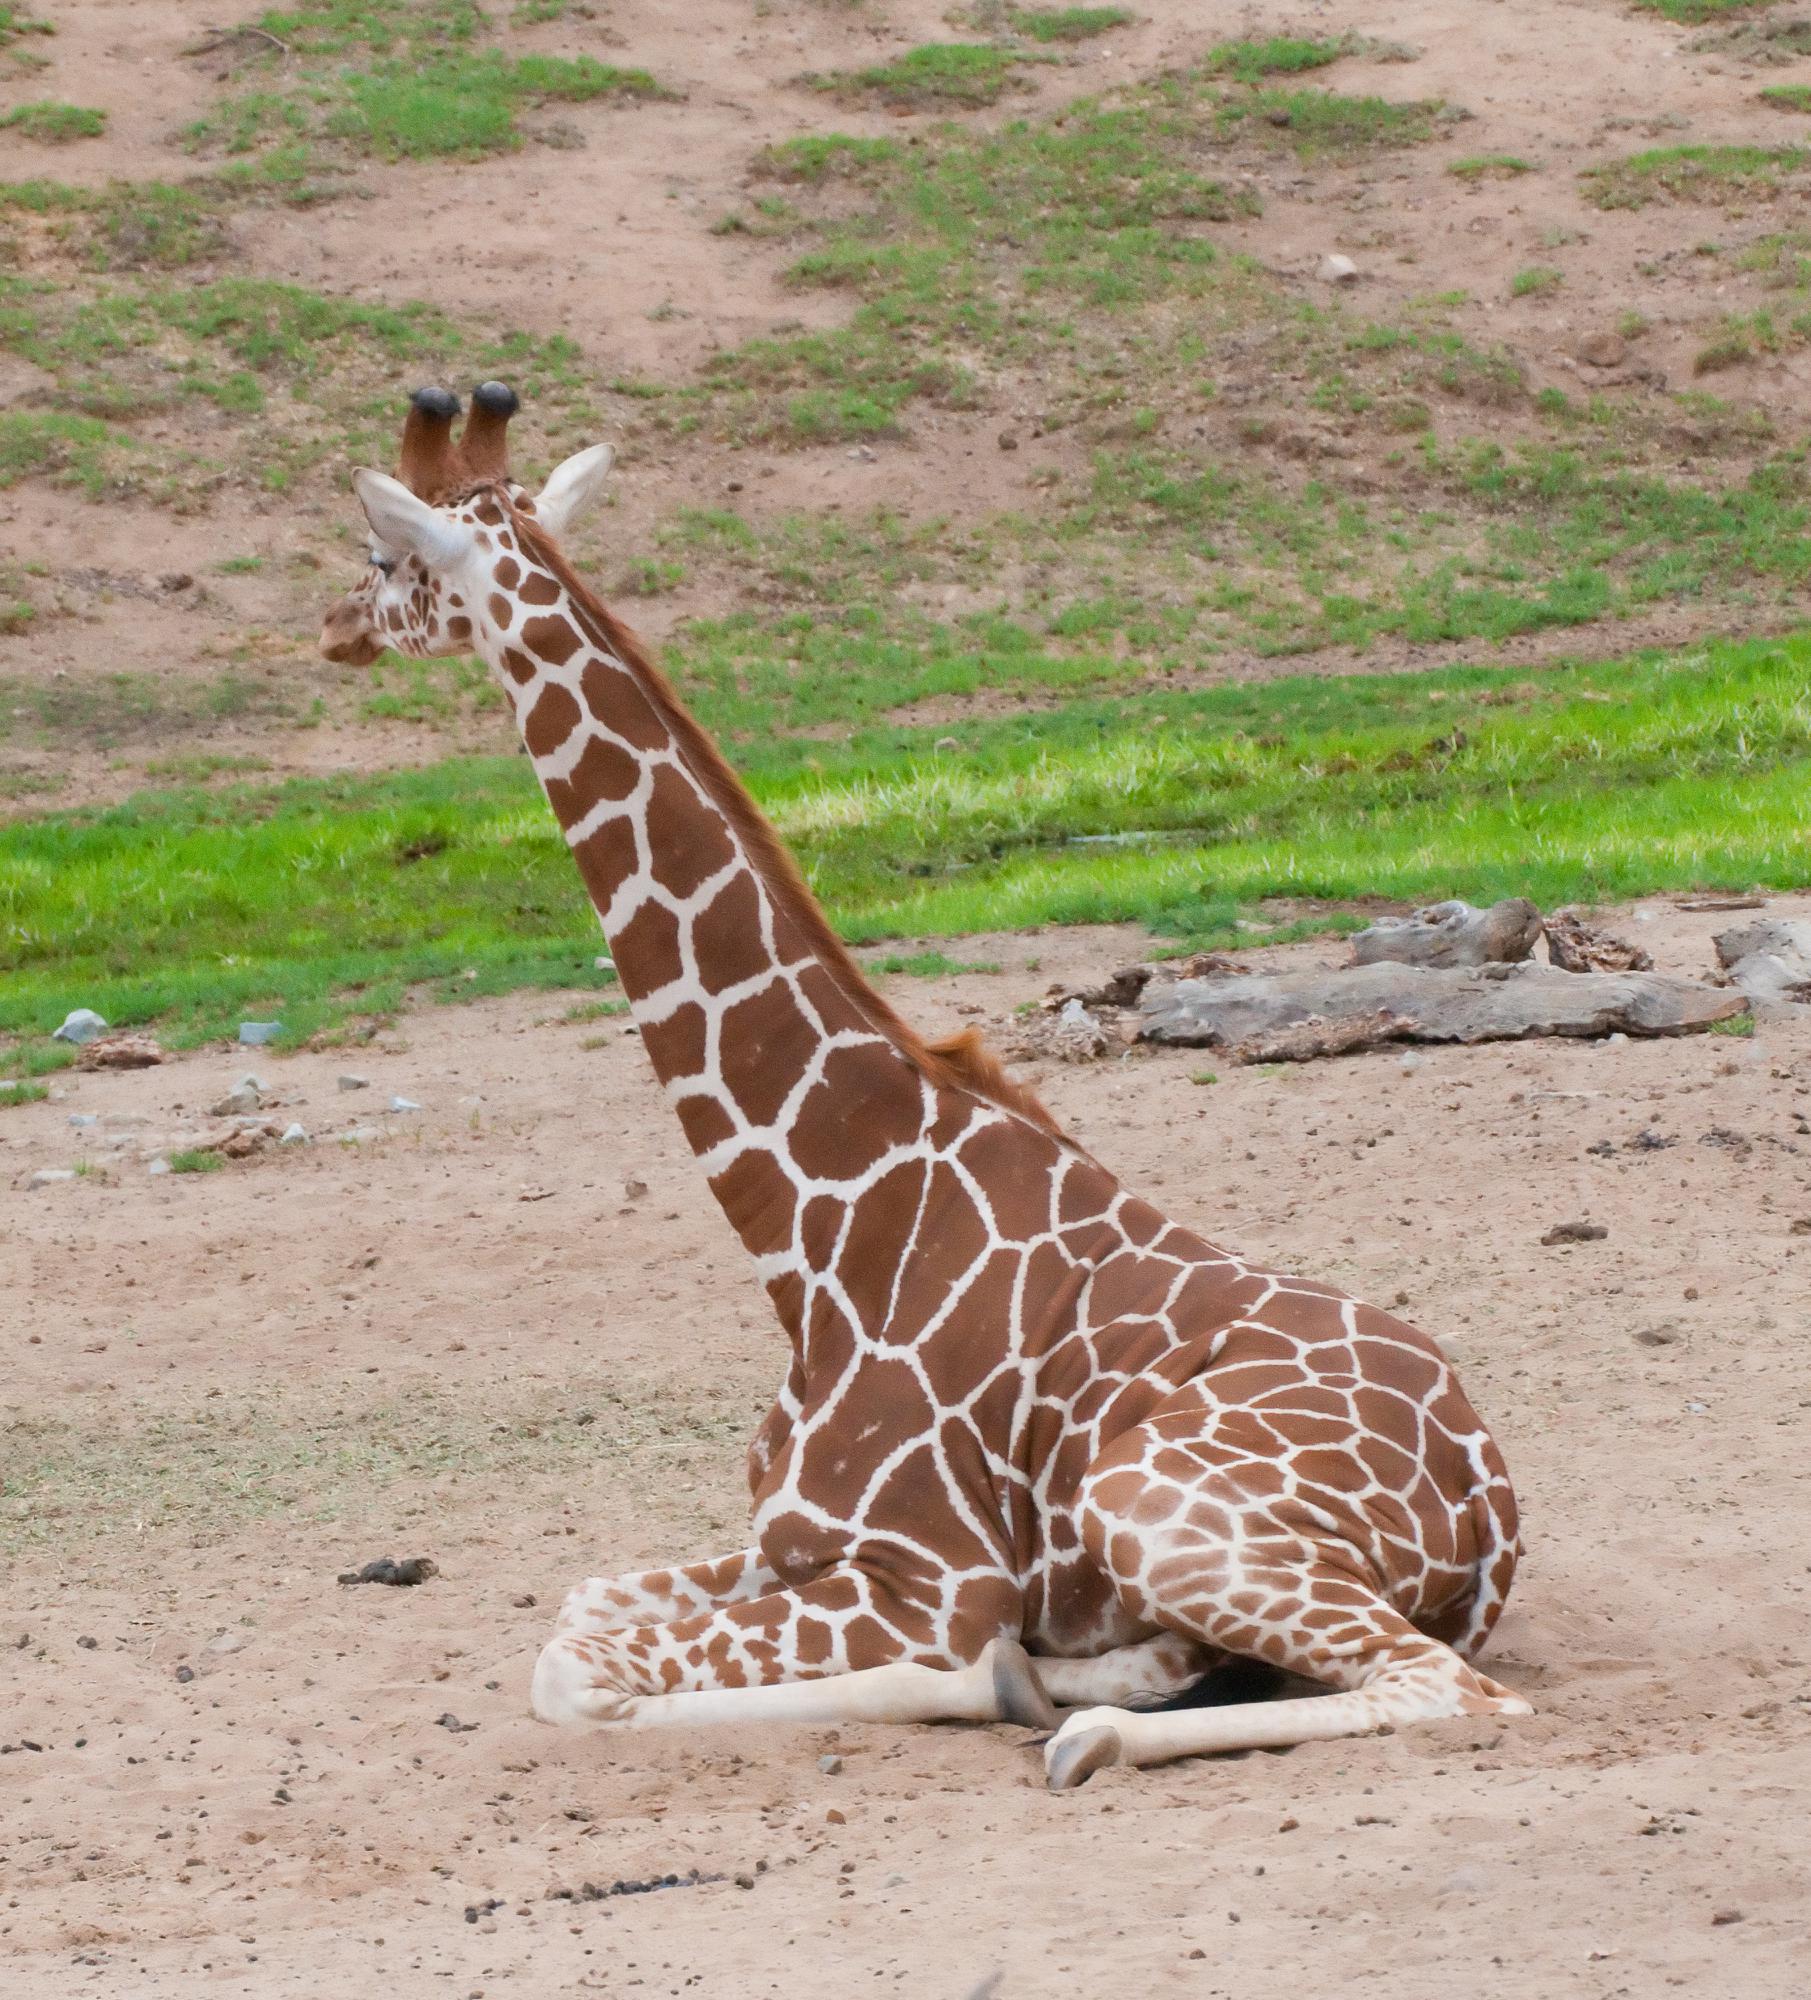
{"x":961,"y":1061}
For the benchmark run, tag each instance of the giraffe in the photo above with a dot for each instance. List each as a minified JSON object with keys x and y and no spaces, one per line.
{"x":1038,"y":1447}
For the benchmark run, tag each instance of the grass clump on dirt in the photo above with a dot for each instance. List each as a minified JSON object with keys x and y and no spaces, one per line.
{"x":1491,"y":167}
{"x":1710,"y":174}
{"x":963,"y":75}
{"x":16,"y":25}
{"x":14,"y":1094}
{"x":1276,"y":55}
{"x":1788,"y":96}
{"x":397,"y":79}
{"x":196,"y":1161}
{"x":299,"y":378}
{"x":320,"y":899}
{"x":1695,"y":13}
{"x":54,"y":124}
{"x":1322,"y":125}
{"x":1535,"y":279}
{"x":1066,"y":24}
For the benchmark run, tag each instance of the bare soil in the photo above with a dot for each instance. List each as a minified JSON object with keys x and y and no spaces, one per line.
{"x":611,"y":242}
{"x":508,"y":1332}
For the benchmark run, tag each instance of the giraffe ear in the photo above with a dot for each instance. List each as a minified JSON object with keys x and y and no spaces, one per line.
{"x":406,"y":524}
{"x":571,"y":487}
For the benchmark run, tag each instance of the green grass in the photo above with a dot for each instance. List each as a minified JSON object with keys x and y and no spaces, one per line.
{"x":54,"y":124}
{"x":963,"y":75}
{"x":1066,"y":24}
{"x":323,"y":899}
{"x":1320,"y":124}
{"x":1534,"y":280}
{"x":401,"y":79}
{"x":1695,"y":13}
{"x":1710,"y":174}
{"x":196,"y":1162}
{"x":16,"y":24}
{"x":14,"y":1094}
{"x":1491,"y":166}
{"x":928,"y":965}
{"x":295,"y":379}
{"x":1788,"y":96}
{"x":1277,"y":55}
{"x":1741,"y":338}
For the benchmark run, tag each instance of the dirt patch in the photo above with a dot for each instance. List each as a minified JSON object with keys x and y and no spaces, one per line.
{"x":509,"y":1333}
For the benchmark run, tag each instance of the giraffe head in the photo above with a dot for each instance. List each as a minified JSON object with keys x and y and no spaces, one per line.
{"x":440,"y":533}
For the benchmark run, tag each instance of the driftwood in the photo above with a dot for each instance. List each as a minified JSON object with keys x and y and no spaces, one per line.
{"x":1576,"y":946}
{"x":1452,"y":934}
{"x":1423,"y":1004}
{"x":1769,"y":960}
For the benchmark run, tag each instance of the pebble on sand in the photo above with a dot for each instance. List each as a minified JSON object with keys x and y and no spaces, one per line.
{"x":259,"y":1034}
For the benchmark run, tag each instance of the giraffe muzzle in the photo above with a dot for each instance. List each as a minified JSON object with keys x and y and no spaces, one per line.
{"x":347,"y":639}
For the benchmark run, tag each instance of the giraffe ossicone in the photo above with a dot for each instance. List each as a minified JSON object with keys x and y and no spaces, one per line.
{"x":1035,"y":1443}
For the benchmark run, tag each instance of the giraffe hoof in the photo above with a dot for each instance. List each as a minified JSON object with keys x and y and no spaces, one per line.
{"x":1073,"y":1760}
{"x":1018,"y":1692}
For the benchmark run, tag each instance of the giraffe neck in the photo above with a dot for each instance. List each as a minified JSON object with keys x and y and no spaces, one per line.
{"x":782,"y":1065}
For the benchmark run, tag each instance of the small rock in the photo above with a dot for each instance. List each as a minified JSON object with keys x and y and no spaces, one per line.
{"x":634,"y":1190}
{"x":386,"y":1569}
{"x":158,"y":1167}
{"x":1603,"y":350}
{"x":176,"y":579}
{"x":603,"y":963}
{"x":404,"y":1104}
{"x":1726,"y":1916}
{"x":1008,"y":440}
{"x":1336,"y":270}
{"x":830,"y":1766}
{"x":185,"y":1675}
{"x":864,"y":452}
{"x":259,"y":1034}
{"x":79,"y":1027}
{"x":1656,"y":1336}
{"x":1574,"y":1232}
{"x":227,"y":1642}
{"x":88,"y":1645}
{"x":1411,"y":1063}
{"x":350,"y":1082}
{"x":244,"y":1097}
{"x":49,"y":1176}
{"x":947,"y":743}
{"x":451,"y":1722}
{"x":1698,"y":1409}
{"x":360,"y":1135}
{"x":81,"y":1118}
{"x":1801,"y":1225}
{"x":293,"y":1135}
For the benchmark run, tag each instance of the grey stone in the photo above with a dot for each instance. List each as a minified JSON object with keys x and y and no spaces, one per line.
{"x":404,"y":1104}
{"x":1769,"y":960}
{"x":244,"y":1097}
{"x":830,"y":1766}
{"x":80,"y":1118}
{"x":1334,"y":269}
{"x":351,"y":1082}
{"x":259,"y":1034}
{"x":1425,"y":1004}
{"x":293,"y":1135}
{"x":50,"y":1176}
{"x":1452,"y":934}
{"x":158,"y":1167}
{"x":360,"y":1135}
{"x":79,"y":1027}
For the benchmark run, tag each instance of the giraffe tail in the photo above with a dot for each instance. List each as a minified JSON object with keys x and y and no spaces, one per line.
{"x":1227,"y":1684}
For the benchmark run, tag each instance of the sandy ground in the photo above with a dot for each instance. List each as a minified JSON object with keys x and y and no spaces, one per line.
{"x":511,"y":1334}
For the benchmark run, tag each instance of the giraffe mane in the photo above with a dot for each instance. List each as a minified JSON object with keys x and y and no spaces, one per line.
{"x":961,"y":1061}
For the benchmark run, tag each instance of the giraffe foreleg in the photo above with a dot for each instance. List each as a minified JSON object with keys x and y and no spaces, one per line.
{"x":831,"y":1651}
{"x":659,"y":1596}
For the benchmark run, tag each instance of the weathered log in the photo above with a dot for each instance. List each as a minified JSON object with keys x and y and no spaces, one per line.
{"x":1452,"y":934}
{"x":1432,"y":1004}
{"x":1576,"y":946}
